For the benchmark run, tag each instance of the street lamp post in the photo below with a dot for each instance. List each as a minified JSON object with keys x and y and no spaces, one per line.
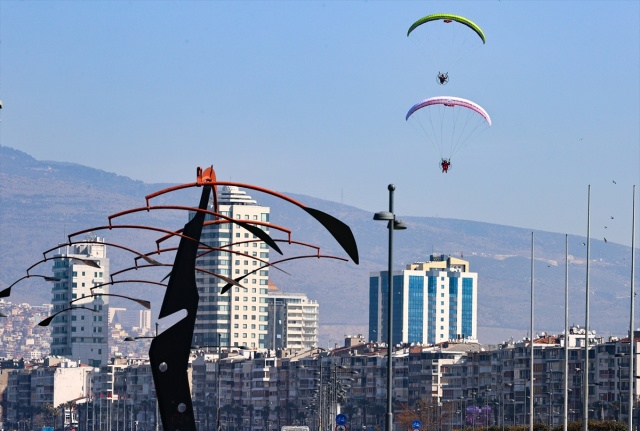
{"x":392,"y":225}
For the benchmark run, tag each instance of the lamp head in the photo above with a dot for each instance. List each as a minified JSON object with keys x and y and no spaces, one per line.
{"x":383,"y":215}
{"x":399,"y":225}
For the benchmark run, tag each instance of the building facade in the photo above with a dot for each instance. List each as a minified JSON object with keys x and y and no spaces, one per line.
{"x":294,"y":320}
{"x":239,"y":317}
{"x":53,"y":382}
{"x":433,"y":302}
{"x":81,"y":334}
{"x":137,"y":320}
{"x":464,"y":385}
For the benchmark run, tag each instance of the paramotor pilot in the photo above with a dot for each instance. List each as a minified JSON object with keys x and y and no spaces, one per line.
{"x":445,"y":164}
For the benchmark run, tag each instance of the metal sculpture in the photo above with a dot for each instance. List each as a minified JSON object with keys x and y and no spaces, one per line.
{"x":169,"y":350}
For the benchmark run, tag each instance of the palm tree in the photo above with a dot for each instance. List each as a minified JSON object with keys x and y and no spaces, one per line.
{"x":227,"y":409}
{"x":290,"y":408}
{"x":362,"y":404}
{"x":349,"y":410}
{"x":68,"y":406}
{"x":51,"y":411}
{"x":144,"y":407}
{"x":598,"y":408}
{"x":378,"y":411}
{"x":250,"y":409}
{"x":265,"y":413}
{"x":238,"y":411}
{"x":278,"y":411}
{"x":615,"y":407}
{"x":301,"y":418}
{"x":198,"y":407}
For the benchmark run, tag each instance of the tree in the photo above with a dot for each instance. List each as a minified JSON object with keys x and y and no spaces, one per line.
{"x":428,"y":412}
{"x":250,"y":409}
{"x":350,"y":411}
{"x":265,"y":413}
{"x":238,"y":411}
{"x":290,"y":408}
{"x":301,"y":418}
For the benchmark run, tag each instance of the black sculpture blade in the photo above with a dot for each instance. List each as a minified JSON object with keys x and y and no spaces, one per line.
{"x":169,"y":351}
{"x":265,"y":237}
{"x":340,"y":231}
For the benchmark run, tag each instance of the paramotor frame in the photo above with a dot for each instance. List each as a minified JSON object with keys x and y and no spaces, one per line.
{"x":445,"y":40}
{"x":448,"y":122}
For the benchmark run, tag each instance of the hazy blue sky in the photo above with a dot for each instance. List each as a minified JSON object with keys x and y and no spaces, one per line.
{"x":310,"y":97}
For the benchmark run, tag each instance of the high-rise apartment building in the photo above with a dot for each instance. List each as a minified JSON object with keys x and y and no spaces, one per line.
{"x":138,"y":320}
{"x":81,"y":334}
{"x":433,"y":301}
{"x":240,"y":316}
{"x":293,"y":320}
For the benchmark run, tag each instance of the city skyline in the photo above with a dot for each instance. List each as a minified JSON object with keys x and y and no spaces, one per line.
{"x":500,"y":253}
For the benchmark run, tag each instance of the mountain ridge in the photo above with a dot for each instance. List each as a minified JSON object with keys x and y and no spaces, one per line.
{"x":43,"y":201}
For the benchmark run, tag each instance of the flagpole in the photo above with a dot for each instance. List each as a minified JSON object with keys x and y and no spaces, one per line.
{"x":585,"y":379}
{"x":531,"y":337}
{"x":566,"y":333}
{"x":632,"y":338}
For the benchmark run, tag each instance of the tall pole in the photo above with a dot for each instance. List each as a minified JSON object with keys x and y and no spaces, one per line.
{"x":321,"y":397}
{"x":531,"y":337}
{"x":389,"y":426}
{"x":632,"y":377}
{"x":218,"y":423}
{"x":566,"y":333}
{"x":157,"y":405}
{"x":392,"y":223}
{"x":585,"y":379}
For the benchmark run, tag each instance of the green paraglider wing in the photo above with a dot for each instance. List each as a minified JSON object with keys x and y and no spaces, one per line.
{"x":445,"y":16}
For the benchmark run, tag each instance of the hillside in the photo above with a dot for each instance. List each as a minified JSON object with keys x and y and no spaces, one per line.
{"x":43,"y":201}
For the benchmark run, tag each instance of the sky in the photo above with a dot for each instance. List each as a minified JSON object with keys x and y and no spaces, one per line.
{"x":310,"y":97}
